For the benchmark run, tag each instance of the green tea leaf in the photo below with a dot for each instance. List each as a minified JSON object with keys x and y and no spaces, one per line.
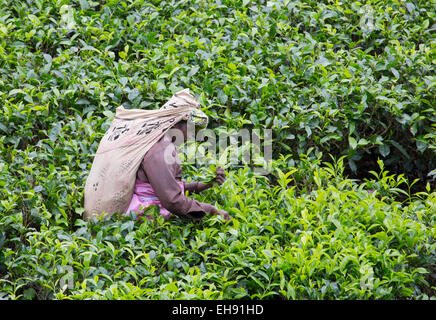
{"x":384,"y":150}
{"x":352,"y":142}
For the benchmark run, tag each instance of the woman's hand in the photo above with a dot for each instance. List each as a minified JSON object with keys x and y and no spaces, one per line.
{"x":220,"y":176}
{"x":223,"y":213}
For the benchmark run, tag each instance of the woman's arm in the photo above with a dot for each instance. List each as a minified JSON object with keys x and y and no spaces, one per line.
{"x":196,"y":187}
{"x":167,"y":189}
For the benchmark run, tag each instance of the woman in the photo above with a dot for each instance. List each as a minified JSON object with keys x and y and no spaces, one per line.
{"x":136,"y":163}
{"x":158,"y":180}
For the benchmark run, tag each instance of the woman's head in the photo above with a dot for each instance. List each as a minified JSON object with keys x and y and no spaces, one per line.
{"x":197,"y":118}
{"x":194,"y":120}
{"x":182,"y":125}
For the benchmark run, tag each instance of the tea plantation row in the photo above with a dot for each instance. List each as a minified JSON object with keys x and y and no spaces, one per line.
{"x":350,"y":79}
{"x":338,"y":241}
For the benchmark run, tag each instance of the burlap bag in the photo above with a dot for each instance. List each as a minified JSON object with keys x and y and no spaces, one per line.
{"x":110,"y":183}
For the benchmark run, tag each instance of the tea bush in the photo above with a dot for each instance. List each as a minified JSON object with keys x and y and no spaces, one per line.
{"x":337,"y":241}
{"x":350,"y":79}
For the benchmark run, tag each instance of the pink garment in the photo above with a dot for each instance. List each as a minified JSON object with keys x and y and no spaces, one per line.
{"x":144,"y":196}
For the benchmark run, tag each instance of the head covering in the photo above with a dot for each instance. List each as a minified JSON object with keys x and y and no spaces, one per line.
{"x":110,"y":183}
{"x":197,"y":117}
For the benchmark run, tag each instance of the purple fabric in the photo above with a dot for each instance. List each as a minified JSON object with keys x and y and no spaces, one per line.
{"x":144,"y":196}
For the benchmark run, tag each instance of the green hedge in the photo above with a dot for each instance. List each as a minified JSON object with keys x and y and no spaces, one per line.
{"x":322,"y":78}
{"x":337,"y":241}
{"x":318,"y":73}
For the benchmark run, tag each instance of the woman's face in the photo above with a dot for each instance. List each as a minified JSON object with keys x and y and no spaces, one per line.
{"x":182,"y":132}
{"x":183,"y":127}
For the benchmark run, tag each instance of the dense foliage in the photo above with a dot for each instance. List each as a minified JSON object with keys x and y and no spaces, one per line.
{"x":351,"y":79}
